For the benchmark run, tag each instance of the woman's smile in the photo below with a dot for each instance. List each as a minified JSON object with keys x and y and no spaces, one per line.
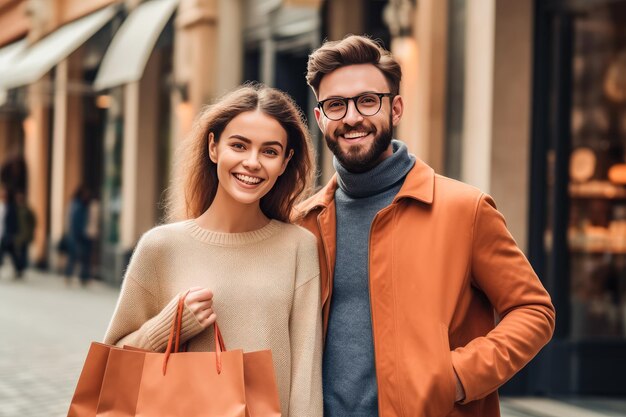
{"x":248,"y":180}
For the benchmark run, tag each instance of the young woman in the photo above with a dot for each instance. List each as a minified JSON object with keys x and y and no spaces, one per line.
{"x":246,"y":163}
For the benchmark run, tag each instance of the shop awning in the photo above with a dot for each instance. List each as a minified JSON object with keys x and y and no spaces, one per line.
{"x":42,"y":56}
{"x":8,"y":55}
{"x":126,"y":58}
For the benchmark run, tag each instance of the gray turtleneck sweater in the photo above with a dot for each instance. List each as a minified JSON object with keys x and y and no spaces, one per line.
{"x":349,"y":373}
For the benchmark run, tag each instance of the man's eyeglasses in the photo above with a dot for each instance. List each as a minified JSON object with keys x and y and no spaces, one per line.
{"x":368,"y":104}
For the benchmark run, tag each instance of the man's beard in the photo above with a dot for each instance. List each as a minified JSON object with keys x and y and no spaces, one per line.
{"x":354,"y":160}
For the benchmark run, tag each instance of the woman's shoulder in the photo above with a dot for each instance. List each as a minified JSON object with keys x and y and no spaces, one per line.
{"x":304,"y":244}
{"x":298,"y":234}
{"x":165,"y":235}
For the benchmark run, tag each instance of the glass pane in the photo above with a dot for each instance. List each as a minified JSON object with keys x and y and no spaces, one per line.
{"x":597,"y":225}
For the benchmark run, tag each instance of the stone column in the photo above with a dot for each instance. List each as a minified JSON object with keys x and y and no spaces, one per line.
{"x":36,"y":151}
{"x":511,"y":121}
{"x":268,"y":61}
{"x":139,"y":194}
{"x":423,"y":124}
{"x":478,"y":107}
{"x":195,"y":61}
{"x":230,"y":45}
{"x":497,"y":119}
{"x":67,"y":143}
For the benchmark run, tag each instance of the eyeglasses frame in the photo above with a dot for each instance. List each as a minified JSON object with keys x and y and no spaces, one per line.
{"x":346,"y":100}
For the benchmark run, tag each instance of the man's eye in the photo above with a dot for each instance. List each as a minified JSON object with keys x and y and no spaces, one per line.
{"x":335,"y":104}
{"x":367,"y":100}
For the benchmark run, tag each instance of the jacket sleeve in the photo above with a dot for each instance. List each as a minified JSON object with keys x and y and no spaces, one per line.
{"x":527,"y":316}
{"x":305,"y":332}
{"x":138,"y":319}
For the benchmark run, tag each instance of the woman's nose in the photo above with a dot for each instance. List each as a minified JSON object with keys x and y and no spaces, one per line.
{"x":252,"y":162}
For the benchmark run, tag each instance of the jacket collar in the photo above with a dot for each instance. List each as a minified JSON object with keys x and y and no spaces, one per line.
{"x":418,"y":185}
{"x":320,"y":199}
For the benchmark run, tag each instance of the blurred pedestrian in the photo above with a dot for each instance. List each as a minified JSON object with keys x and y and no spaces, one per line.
{"x":14,"y":174}
{"x":78,"y":242}
{"x":25,"y":232}
{"x":9,"y":228}
{"x":93,"y":230}
{"x":3,"y":215}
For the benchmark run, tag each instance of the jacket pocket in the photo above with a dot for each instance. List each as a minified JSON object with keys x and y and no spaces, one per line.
{"x":449,"y":380}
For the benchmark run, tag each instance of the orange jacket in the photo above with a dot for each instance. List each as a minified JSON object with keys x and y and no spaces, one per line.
{"x":441,"y":262}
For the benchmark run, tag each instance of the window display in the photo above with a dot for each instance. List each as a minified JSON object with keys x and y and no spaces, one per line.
{"x":597,"y":189}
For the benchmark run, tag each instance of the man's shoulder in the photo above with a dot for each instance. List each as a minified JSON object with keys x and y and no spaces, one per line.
{"x":422,"y":183}
{"x":321,"y":199}
{"x":455,"y":196}
{"x":317,"y":199}
{"x":455,"y":188}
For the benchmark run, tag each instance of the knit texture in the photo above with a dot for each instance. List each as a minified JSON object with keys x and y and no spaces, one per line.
{"x":349,"y":374}
{"x":266,"y":296}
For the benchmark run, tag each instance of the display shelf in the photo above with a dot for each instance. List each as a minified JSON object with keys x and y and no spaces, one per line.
{"x":597,"y":189}
{"x":599,"y":251}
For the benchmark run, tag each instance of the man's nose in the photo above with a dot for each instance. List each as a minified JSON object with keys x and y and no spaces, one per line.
{"x":352,"y":116}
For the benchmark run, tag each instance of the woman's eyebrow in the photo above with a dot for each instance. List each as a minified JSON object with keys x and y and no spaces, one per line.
{"x":245,"y":139}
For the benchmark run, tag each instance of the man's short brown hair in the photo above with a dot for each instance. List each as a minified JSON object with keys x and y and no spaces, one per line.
{"x":352,"y":50}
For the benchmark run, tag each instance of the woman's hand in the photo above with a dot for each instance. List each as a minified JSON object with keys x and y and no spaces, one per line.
{"x":200,"y":302}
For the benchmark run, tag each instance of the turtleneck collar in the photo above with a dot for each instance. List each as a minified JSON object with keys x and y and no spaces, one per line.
{"x":380,"y":178}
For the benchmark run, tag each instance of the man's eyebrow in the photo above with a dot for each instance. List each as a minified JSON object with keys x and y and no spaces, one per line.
{"x":245,"y":139}
{"x":360,"y":94}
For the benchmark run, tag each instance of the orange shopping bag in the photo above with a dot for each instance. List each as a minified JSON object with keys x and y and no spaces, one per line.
{"x":124,"y":382}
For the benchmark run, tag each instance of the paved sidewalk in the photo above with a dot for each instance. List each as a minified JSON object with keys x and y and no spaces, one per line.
{"x":572,"y":407}
{"x":46,"y":328}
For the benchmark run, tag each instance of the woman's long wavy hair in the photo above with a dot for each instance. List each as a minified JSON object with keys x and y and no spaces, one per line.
{"x":195,"y":181}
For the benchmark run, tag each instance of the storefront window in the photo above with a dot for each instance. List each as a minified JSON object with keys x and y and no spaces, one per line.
{"x":596,"y":232}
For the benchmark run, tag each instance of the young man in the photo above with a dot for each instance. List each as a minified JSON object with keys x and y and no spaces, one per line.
{"x":413,"y":264}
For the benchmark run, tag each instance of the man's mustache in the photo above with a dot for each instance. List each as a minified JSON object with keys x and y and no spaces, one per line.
{"x":361,"y":126}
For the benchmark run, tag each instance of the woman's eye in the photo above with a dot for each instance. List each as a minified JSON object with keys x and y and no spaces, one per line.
{"x":237,"y":146}
{"x":272,"y":152}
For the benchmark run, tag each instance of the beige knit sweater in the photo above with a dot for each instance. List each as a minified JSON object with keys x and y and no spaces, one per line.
{"x":266,"y":296}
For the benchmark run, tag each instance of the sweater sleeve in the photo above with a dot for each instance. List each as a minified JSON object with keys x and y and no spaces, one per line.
{"x":502,"y":272}
{"x":137,"y":320}
{"x":305,"y":328}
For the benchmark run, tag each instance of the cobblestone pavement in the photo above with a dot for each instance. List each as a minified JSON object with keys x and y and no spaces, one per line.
{"x":46,"y":327}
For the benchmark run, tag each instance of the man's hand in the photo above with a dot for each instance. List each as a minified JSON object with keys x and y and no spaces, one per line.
{"x":200,"y":302}
{"x":460,"y":391}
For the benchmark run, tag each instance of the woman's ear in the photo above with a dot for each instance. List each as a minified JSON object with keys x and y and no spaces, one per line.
{"x":286,"y":161}
{"x":212,"y":148}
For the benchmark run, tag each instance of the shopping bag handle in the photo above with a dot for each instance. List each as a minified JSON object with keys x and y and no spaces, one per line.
{"x":173,"y":342}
